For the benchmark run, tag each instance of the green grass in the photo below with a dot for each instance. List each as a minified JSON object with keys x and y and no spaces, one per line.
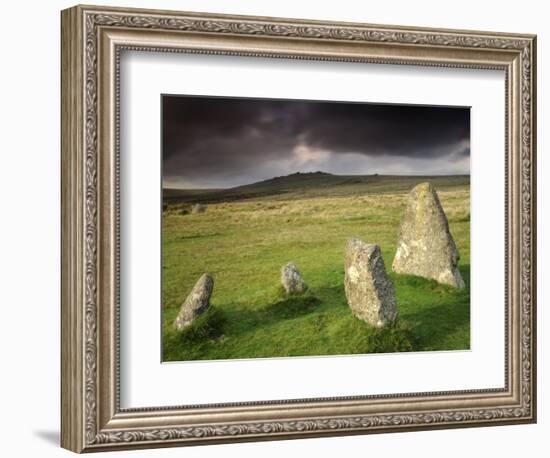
{"x":244,"y":243}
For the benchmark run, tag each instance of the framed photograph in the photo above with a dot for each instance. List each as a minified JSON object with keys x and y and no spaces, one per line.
{"x":277,"y":228}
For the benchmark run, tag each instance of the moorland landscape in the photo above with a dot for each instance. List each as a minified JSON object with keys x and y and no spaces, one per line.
{"x":242,"y":236}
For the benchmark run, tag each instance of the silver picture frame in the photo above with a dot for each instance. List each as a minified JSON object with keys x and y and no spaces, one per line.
{"x":92,"y":41}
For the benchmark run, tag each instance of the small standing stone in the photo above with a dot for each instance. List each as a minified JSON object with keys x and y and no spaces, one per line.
{"x":198,"y":208}
{"x":369,"y":290}
{"x":196,"y":303}
{"x":291,"y":279}
{"x":426,"y":247}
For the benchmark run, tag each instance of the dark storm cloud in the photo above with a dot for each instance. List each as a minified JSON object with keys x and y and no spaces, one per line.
{"x":218,"y":142}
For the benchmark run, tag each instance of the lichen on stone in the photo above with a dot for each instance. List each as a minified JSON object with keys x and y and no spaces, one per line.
{"x":426,"y":247}
{"x":196,"y":303}
{"x":369,"y":291}
{"x":291,"y":279}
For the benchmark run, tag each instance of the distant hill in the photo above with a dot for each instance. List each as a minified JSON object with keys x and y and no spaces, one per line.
{"x":315,"y":184}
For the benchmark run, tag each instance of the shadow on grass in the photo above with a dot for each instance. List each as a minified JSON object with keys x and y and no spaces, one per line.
{"x":396,"y":337}
{"x":327,"y":325}
{"x":291,"y":305}
{"x":194,"y":339}
{"x":439,"y":314}
{"x":283,"y":307}
{"x":431,"y":317}
{"x":209,"y":325}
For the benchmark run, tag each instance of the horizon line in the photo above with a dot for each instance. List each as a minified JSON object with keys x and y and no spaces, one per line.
{"x":320,"y":172}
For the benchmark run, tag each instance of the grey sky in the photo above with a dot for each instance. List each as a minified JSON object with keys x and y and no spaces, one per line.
{"x":217,"y":142}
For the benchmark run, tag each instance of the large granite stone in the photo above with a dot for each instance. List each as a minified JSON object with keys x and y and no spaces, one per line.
{"x":369,"y":290}
{"x":426,"y":247}
{"x":196,"y":303}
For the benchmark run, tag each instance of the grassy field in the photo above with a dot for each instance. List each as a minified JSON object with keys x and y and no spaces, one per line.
{"x":248,"y":233}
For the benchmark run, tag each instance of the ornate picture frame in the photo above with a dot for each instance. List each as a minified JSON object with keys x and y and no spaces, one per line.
{"x":92,"y":41}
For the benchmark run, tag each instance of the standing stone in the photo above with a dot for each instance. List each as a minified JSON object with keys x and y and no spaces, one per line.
{"x":196,"y":303}
{"x":370,"y":292}
{"x":198,"y":208}
{"x":291,"y":279}
{"x":426,"y":247}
